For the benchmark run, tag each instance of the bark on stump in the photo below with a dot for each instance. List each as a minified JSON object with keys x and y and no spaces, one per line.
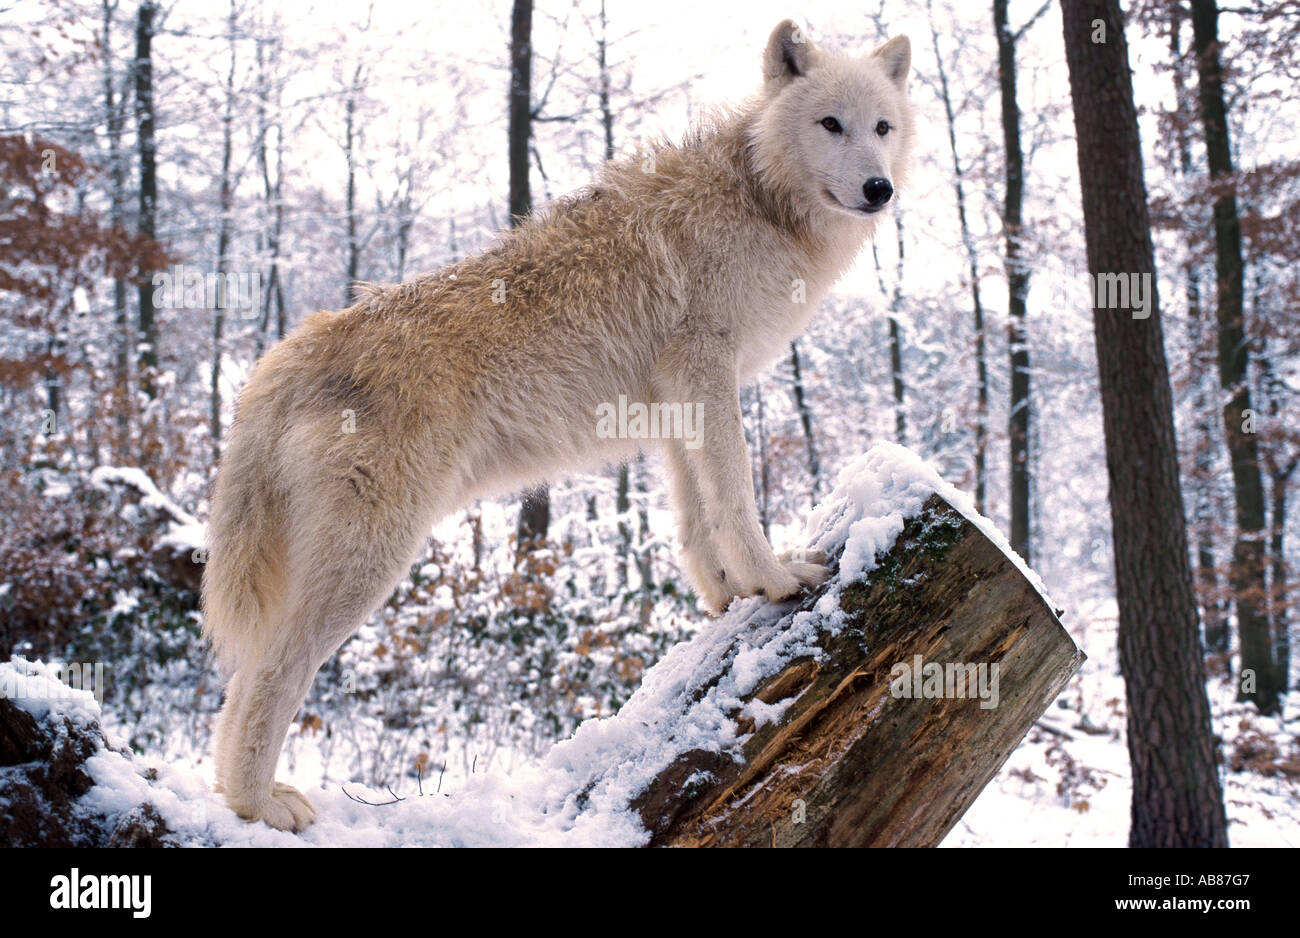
{"x":850,"y":764}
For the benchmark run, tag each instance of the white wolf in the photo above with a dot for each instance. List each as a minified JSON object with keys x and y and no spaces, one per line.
{"x":672,"y":279}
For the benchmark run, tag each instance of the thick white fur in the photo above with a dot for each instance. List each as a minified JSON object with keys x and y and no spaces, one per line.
{"x":675,"y":277}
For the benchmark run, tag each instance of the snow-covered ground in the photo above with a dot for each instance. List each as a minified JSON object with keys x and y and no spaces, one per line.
{"x":1066,"y":784}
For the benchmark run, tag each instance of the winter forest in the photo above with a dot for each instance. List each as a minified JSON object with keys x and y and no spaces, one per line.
{"x":183,"y":183}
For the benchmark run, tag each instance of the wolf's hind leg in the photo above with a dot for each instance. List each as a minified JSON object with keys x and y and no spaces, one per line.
{"x":340,"y":573}
{"x":261,"y":703}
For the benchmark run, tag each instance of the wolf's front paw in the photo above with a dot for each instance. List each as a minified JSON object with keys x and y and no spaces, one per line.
{"x":792,"y":580}
{"x":804,"y":555}
{"x":809,"y":575}
{"x":802,"y":569}
{"x":285,"y":809}
{"x":792,"y":573}
{"x":285,"y":799}
{"x":713,"y":593}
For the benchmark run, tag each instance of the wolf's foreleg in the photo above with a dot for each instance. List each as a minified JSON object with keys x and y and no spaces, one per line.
{"x":699,"y":558}
{"x":720,"y":468}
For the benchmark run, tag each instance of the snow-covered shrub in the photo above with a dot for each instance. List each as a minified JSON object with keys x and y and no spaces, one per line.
{"x":79,"y":584}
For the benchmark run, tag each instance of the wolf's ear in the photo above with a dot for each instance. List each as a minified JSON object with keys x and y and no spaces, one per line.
{"x":896,"y":56}
{"x":789,"y":53}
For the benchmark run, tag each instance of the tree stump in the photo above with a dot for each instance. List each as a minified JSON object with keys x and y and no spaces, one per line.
{"x":864,"y":754}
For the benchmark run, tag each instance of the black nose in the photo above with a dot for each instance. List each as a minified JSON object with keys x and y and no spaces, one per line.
{"x":877,"y":191}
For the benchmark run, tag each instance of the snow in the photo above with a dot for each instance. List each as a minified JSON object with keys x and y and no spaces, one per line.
{"x":184,"y":534}
{"x":38,"y":688}
{"x":579,"y":794}
{"x":184,"y":538}
{"x":1057,"y":791}
{"x":104,"y":476}
{"x":875,"y":493}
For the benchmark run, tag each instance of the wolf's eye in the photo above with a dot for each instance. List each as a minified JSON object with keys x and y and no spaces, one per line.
{"x":832,"y":125}
{"x":882,"y":127}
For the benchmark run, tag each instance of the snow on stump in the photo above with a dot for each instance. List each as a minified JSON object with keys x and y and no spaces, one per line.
{"x":872,"y":713}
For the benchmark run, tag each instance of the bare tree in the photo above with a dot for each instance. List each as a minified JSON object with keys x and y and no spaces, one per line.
{"x":895,"y":335}
{"x":224,"y":233}
{"x":123,"y":332}
{"x":1019,"y":417}
{"x":972,"y":260}
{"x":350,"y":146}
{"x":535,"y":512}
{"x":1258,"y":669}
{"x":267,"y":51}
{"x":1214,"y":619}
{"x":805,"y":419}
{"x":1177,"y":800}
{"x":145,"y":26}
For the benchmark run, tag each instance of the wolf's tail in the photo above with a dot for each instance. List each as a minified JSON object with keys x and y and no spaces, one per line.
{"x":244,"y":579}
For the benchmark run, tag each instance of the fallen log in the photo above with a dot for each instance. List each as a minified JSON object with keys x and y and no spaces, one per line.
{"x":929,"y":670}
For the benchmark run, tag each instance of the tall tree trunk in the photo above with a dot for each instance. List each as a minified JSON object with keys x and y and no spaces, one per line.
{"x":406,"y":221}
{"x":1177,"y":800}
{"x":606,"y":108}
{"x":1281,"y":479}
{"x":1215,"y":624}
{"x":622,"y":505}
{"x":1215,"y":620}
{"x":123,"y":333}
{"x":227,"y":196}
{"x":535,"y":512}
{"x":144,"y":117}
{"x":353,"y":271}
{"x":896,"y":339}
{"x":764,"y":478}
{"x":52,"y":385}
{"x":972,"y":259}
{"x":895,"y":348}
{"x":644,"y":566}
{"x":1280,"y":469}
{"x":277,"y":228}
{"x":273,"y":295}
{"x":521,"y":109}
{"x":981,"y":406}
{"x":1018,"y":422}
{"x":805,"y":418}
{"x":1258,"y":669}
{"x":93,"y":455}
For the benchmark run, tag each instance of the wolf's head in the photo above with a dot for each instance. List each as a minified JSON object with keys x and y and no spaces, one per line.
{"x":835,"y":131}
